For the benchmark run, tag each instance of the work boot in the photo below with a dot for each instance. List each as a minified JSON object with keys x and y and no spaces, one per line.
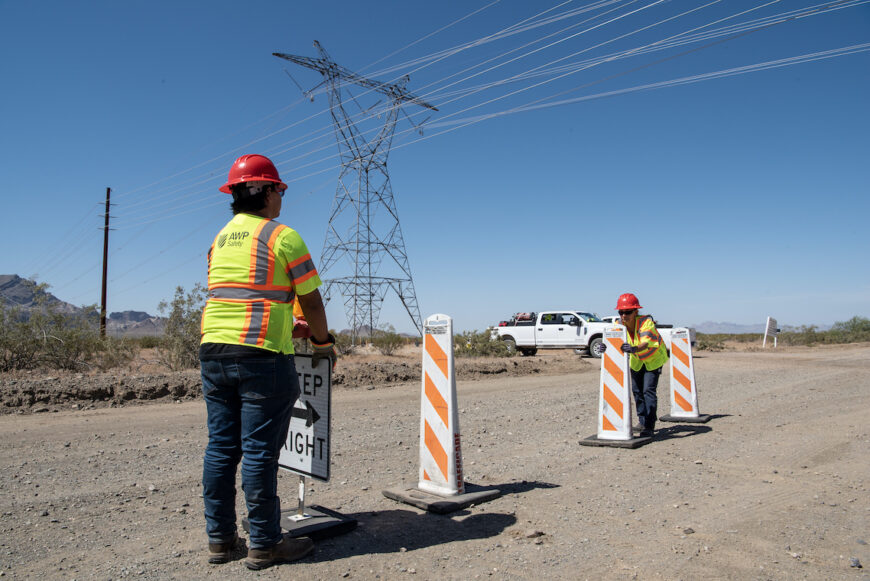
{"x":289,"y":549}
{"x":225,"y":552}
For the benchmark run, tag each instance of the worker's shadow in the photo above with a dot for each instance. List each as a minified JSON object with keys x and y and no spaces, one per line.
{"x":407,"y":529}
{"x":681,"y":431}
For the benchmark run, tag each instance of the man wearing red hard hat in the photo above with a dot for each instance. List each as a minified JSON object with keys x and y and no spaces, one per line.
{"x":648,"y":356}
{"x":257,"y":269}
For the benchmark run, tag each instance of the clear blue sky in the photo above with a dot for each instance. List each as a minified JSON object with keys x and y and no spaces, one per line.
{"x":728,"y":199}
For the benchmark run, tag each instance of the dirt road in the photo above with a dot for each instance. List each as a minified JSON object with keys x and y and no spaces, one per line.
{"x":774,"y":487}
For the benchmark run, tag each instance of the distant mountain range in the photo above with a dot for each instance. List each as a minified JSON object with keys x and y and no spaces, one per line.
{"x":22,"y":293}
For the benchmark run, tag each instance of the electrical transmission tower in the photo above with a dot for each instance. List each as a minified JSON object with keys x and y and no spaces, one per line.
{"x":364,"y":231}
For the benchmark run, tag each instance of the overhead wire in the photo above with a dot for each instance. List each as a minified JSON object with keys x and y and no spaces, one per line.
{"x":293,"y":175}
{"x":50,"y":257}
{"x":630,"y":52}
{"x":328,"y":129}
{"x":261,"y":138}
{"x":790,"y":61}
{"x":783,"y":18}
{"x":299,"y":167}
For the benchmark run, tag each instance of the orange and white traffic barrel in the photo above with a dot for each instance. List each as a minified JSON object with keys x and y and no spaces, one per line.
{"x":440,"y":449}
{"x":684,"y":391}
{"x":441,"y":487}
{"x":614,"y":402}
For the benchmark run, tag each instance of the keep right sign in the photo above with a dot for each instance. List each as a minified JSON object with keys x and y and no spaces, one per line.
{"x":306,"y":450}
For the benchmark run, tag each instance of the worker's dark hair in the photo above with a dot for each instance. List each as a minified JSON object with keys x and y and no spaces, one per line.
{"x":244,"y":202}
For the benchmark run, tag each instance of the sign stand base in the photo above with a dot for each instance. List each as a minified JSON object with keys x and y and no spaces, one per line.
{"x":700,"y":419}
{"x":441,"y":504}
{"x":636,"y":442}
{"x":318,"y":523}
{"x":313,"y":521}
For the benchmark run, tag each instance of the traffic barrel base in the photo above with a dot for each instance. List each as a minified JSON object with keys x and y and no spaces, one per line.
{"x":637,"y":442}
{"x":440,"y":504}
{"x":441,"y":487}
{"x":699,"y":419}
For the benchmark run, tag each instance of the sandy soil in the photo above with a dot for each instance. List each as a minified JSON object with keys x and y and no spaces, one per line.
{"x":774,"y":487}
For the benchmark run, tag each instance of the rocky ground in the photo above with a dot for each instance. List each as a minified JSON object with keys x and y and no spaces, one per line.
{"x":98,"y":485}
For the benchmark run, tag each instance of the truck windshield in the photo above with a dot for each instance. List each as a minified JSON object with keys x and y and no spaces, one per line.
{"x":589,"y":317}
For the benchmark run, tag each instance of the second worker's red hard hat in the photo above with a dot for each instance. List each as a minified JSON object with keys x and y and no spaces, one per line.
{"x":627,"y":301}
{"x":250,"y":168}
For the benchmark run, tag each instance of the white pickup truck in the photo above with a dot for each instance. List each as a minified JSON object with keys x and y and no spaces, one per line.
{"x":565,"y":329}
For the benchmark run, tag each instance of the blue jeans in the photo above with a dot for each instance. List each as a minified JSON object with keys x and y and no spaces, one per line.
{"x":249,"y":402}
{"x":644,"y":384}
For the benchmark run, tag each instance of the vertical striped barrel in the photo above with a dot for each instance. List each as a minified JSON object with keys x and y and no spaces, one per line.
{"x":614,"y":407}
{"x":684,"y":394}
{"x":440,"y":450}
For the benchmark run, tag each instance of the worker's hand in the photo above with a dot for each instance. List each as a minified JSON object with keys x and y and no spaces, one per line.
{"x":323,"y":351}
{"x":626,"y":348}
{"x":301,"y":330}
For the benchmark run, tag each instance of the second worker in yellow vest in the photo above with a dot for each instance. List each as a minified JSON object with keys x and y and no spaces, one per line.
{"x":648,"y":356}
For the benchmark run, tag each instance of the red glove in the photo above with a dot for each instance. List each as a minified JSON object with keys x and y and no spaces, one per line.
{"x":301,"y":330}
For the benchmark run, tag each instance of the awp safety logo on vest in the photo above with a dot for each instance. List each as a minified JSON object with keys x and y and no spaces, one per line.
{"x":235,"y":239}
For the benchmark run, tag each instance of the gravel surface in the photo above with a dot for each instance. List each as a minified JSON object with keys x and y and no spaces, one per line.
{"x":98,"y":486}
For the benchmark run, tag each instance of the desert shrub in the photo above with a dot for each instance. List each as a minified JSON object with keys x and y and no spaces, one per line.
{"x":479,"y":344}
{"x":343,"y":343}
{"x":710,"y":341}
{"x":147,"y":342}
{"x":805,"y":335}
{"x":46,"y":337}
{"x":70,"y":342}
{"x":116,"y":352}
{"x":386,"y":340}
{"x":179,"y":348}
{"x":19,"y":345}
{"x":855,"y":330}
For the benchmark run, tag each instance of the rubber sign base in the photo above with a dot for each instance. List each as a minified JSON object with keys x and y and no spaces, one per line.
{"x":699,"y":419}
{"x":318,"y":523}
{"x":637,"y":442}
{"x":442,"y":504}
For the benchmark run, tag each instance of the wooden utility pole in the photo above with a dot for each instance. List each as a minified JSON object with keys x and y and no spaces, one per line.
{"x":105,"y":267}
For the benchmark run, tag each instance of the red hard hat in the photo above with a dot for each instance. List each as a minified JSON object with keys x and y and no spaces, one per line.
{"x":626,"y":302}
{"x":250,"y":168}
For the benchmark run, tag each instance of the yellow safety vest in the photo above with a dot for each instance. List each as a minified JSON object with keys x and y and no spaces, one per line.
{"x":656,"y":354}
{"x":256,"y":267}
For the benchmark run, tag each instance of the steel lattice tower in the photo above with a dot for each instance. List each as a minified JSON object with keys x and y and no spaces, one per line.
{"x":364,"y":228}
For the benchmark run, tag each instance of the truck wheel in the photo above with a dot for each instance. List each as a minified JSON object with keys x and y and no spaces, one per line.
{"x":597,"y":348}
{"x":510,"y":344}
{"x":528,"y":352}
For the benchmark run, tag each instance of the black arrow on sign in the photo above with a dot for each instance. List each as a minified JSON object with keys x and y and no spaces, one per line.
{"x":309,"y":414}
